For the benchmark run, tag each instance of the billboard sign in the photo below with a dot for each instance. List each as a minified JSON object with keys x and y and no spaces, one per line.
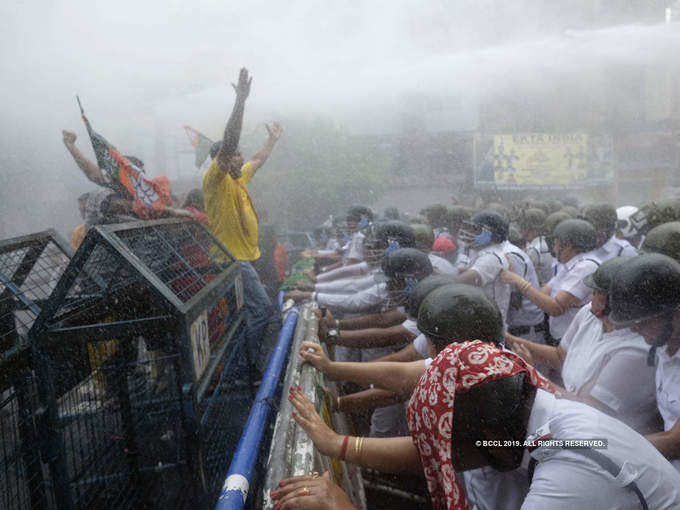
{"x":543,"y":160}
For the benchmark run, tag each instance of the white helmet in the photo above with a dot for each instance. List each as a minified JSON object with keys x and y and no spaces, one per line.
{"x":623,"y":224}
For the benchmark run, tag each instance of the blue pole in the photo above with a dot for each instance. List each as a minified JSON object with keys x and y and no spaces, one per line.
{"x":235,"y":488}
{"x":280,"y":300}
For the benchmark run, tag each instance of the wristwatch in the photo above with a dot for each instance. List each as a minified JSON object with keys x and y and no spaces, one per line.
{"x":333,"y":333}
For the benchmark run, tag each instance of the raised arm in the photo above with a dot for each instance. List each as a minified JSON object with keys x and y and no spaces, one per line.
{"x":275,"y":133}
{"x":232,"y":132}
{"x":89,"y":168}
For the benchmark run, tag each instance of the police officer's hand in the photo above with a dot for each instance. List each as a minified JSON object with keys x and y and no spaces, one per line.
{"x":324,"y":438}
{"x":69,"y":137}
{"x":314,"y":492}
{"x":296,"y":295}
{"x":510,"y":277}
{"x":314,"y":354}
{"x":304,"y":286}
{"x":523,"y":352}
{"x":325,"y":317}
{"x":310,"y":274}
{"x":325,"y":323}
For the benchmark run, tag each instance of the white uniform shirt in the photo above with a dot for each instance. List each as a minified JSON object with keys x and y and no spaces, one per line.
{"x":488,"y":265}
{"x":567,"y":480}
{"x":528,"y":314}
{"x":358,"y":269}
{"x":356,"y":247}
{"x":463,"y":256}
{"x":364,"y":301}
{"x":411,"y":326}
{"x":333,"y":245}
{"x":540,"y":255}
{"x":613,"y":365}
{"x":668,"y":390}
{"x":441,"y":265}
{"x":346,"y":285}
{"x":421,"y":345}
{"x":615,"y":247}
{"x":570,"y":279}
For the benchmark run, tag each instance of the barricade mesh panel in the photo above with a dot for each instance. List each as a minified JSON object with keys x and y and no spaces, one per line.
{"x":224,"y":413}
{"x":29,"y":271}
{"x":183,"y":255}
{"x":103,"y":273}
{"x":121,"y":425}
{"x":146,"y":396}
{"x":30,"y":267}
{"x":21,"y":474}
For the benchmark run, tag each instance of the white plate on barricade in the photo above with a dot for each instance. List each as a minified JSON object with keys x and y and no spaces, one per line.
{"x":200,"y":344}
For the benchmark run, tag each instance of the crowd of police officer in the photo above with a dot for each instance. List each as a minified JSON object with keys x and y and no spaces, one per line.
{"x":589,"y":295}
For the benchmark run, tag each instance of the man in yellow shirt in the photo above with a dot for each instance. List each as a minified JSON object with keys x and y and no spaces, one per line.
{"x":232,"y":215}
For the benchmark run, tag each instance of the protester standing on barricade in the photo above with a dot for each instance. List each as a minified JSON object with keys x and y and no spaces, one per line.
{"x":232,"y":215}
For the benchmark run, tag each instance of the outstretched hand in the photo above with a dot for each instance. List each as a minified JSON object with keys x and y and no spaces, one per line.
{"x":275,"y":131}
{"x":69,"y":136}
{"x":314,"y":354}
{"x":243,"y":87}
{"x":324,"y":438}
{"x":311,"y":491}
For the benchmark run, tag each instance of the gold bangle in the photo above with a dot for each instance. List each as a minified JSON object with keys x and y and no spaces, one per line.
{"x":361,"y":445}
{"x":525,"y":286}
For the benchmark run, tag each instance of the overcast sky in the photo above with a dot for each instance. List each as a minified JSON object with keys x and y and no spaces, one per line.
{"x":135,"y":62}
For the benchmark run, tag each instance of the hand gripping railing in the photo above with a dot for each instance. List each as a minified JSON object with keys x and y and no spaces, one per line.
{"x":235,"y":489}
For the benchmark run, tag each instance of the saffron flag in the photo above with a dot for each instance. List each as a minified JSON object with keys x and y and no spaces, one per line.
{"x":200,"y":143}
{"x":150,"y":197}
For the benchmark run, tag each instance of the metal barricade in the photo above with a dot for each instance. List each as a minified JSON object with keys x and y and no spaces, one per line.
{"x":142,"y":368}
{"x":292,"y":452}
{"x":30,"y":267}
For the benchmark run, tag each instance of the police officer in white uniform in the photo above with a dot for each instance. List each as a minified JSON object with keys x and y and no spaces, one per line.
{"x":424,"y":242}
{"x":525,"y":319}
{"x":645,"y":297}
{"x":485,"y":233}
{"x":602,"y":365}
{"x":603,"y":218}
{"x":565,"y":293}
{"x":531,"y":225}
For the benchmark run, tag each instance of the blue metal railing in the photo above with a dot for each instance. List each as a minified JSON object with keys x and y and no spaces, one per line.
{"x":235,"y":488}
{"x":280,"y":300}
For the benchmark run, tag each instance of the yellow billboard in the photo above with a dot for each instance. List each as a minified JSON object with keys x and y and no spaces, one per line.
{"x":521,"y":160}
